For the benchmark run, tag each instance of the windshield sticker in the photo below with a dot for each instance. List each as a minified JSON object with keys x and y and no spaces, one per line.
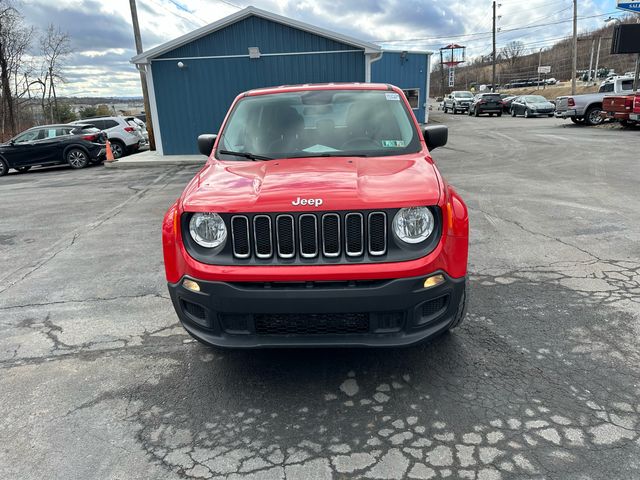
{"x":393,"y":143}
{"x":392,"y":96}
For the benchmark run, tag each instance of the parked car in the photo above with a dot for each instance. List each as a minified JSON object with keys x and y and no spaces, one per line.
{"x":635,"y":114}
{"x":587,"y":108}
{"x":506,"y":103}
{"x":457,"y":101}
{"x":136,"y":122}
{"x":531,"y":106}
{"x":124,"y":137}
{"x":620,"y":108}
{"x":490,"y":103}
{"x":307,"y":231}
{"x":51,"y":145}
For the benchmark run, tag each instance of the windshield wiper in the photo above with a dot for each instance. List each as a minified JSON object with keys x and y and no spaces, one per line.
{"x":248,"y":155}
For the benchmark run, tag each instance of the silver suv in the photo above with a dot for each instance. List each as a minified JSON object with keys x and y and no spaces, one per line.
{"x":125,"y":137}
{"x":458,"y":101}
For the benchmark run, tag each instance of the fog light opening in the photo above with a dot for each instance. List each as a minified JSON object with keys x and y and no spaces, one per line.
{"x":433,"y":280}
{"x":191,"y":285}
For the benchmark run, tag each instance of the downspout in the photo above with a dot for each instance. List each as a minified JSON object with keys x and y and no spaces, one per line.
{"x":369,"y":58}
{"x":427,"y":87}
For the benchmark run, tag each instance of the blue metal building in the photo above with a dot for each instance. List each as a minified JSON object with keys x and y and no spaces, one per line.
{"x":193,"y":79}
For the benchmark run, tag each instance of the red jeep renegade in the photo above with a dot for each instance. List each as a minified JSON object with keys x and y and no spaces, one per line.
{"x":319,"y":219}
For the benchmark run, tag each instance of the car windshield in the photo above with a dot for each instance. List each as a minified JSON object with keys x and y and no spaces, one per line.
{"x":492,"y":97}
{"x":463,"y":95}
{"x":535,"y":99}
{"x":319,"y":123}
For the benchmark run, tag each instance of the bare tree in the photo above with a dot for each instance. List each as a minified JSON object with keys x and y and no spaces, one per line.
{"x":55,"y":46}
{"x":512,"y":52}
{"x":8,"y":16}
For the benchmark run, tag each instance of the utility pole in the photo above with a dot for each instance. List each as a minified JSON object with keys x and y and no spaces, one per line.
{"x":574,"y":62}
{"x":143,"y":75}
{"x":593,"y":47}
{"x":539,"y":65}
{"x":595,"y":71}
{"x":493,"y":74}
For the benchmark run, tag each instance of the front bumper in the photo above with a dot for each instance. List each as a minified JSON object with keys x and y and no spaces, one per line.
{"x":372,"y":313}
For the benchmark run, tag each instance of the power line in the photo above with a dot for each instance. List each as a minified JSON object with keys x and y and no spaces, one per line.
{"x":418,"y":39}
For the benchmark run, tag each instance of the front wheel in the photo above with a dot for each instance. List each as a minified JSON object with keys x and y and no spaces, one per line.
{"x":77,"y":158}
{"x":476,"y":113}
{"x":4,"y":168}
{"x":462,"y":309}
{"x":513,"y":112}
{"x":592,"y":116}
{"x":576,"y":120}
{"x":526,"y":113}
{"x":499,"y":114}
{"x":23,"y":169}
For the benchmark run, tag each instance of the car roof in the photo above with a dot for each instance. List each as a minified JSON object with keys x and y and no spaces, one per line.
{"x":318,"y":87}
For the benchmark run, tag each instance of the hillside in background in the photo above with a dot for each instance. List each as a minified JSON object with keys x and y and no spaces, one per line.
{"x":513,"y":65}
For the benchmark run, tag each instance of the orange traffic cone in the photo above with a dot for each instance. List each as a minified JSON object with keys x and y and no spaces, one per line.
{"x":110,"y":157}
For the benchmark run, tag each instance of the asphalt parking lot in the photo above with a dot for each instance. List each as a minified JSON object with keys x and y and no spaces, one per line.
{"x":99,"y":381}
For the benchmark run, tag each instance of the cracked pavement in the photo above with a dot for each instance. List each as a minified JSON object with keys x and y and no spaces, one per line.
{"x":542,"y":381}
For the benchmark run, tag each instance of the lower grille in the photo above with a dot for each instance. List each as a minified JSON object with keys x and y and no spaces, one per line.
{"x":434,"y":306}
{"x":311,"y":323}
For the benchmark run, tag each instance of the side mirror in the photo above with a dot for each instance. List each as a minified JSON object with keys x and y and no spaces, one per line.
{"x":12,"y":142}
{"x":205,"y":143}
{"x":436,"y":136}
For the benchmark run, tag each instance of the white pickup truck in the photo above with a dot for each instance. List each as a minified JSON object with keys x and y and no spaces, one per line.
{"x":586,"y":108}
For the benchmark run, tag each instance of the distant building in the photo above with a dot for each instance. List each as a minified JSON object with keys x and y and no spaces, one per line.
{"x":193,"y":79}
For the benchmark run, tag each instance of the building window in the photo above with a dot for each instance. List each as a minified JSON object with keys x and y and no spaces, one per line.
{"x":413,"y":96}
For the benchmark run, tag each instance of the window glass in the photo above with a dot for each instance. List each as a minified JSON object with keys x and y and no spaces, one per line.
{"x":109,"y":124}
{"x":413,"y":97}
{"x":627,"y":85}
{"x":28,"y":136}
{"x":320,"y":122}
{"x":607,"y":87}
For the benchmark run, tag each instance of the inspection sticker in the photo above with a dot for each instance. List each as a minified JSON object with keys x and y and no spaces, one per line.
{"x":392,"y":96}
{"x":393,"y":143}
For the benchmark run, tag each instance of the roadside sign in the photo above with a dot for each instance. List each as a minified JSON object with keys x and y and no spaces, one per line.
{"x":544,"y":69}
{"x":630,"y":6}
{"x":452,"y":77}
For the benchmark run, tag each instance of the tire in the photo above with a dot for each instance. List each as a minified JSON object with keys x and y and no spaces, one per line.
{"x":4,"y":168}
{"x":577,"y":121}
{"x":499,"y":114}
{"x":462,"y":309}
{"x":491,"y":114}
{"x":77,"y":158}
{"x":513,"y":113}
{"x":23,"y":169}
{"x":118,"y":148}
{"x":475,"y":113}
{"x":550,"y":115}
{"x":526,"y":113}
{"x":592,"y":116}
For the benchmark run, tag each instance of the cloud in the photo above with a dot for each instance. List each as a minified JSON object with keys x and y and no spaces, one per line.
{"x":102,"y":35}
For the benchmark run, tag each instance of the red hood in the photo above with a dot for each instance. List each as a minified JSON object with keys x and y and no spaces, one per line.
{"x":341,"y":183}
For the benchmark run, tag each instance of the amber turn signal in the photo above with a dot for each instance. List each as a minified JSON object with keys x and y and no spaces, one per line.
{"x":433,"y":280}
{"x":191,"y":285}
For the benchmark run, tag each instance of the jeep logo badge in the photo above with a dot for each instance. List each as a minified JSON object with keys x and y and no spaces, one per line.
{"x":314,"y":202}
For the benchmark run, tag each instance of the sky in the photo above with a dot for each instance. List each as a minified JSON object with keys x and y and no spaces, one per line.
{"x":103,"y":44}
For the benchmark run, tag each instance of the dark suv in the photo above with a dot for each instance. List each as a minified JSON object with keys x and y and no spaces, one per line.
{"x":486,"y":103}
{"x":76,"y":145}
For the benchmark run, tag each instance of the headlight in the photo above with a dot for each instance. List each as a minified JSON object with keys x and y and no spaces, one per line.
{"x":208,"y":229}
{"x":414,"y":224}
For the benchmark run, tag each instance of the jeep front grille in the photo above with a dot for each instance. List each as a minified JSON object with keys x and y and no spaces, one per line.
{"x":309,"y":235}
